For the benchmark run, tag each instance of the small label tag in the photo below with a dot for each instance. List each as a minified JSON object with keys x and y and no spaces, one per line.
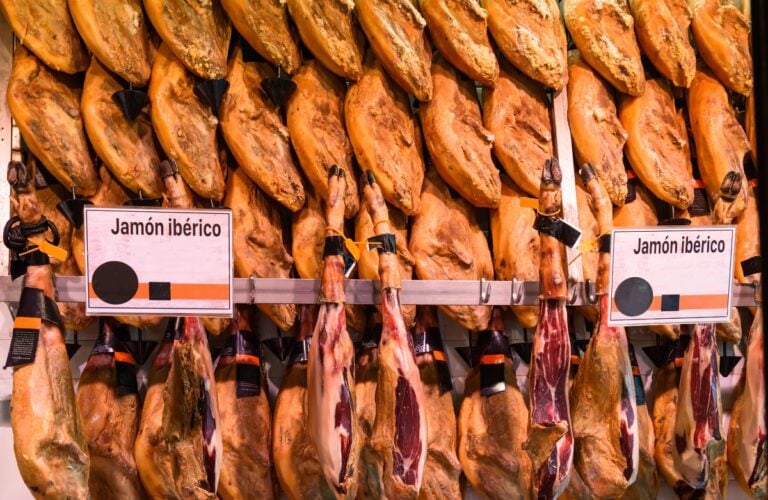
{"x":753,"y":265}
{"x":245,"y":347}
{"x":23,"y":347}
{"x":126,"y":378}
{"x":490,"y":354}
{"x":558,"y":229}
{"x":431,"y":342}
{"x":526,"y":202}
{"x":53,"y":251}
{"x":300,"y":352}
{"x":384,"y":243}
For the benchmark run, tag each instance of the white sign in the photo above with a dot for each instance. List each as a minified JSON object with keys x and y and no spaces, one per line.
{"x":671,"y":275}
{"x":152,"y":261}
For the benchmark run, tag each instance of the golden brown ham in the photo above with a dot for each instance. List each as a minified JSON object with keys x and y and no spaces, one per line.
{"x":459,"y":30}
{"x":45,"y":27}
{"x":117,"y":34}
{"x":442,"y":468}
{"x":395,"y":30}
{"x":258,"y":241}
{"x":656,"y":147}
{"x":598,"y":137}
{"x":517,"y":113}
{"x":493,"y":428}
{"x":48,"y":434}
{"x":295,"y":458}
{"x":254,"y":130}
{"x":603,"y":31}
{"x":329,"y":30}
{"x":126,"y":146}
{"x":385,"y":136}
{"x":245,"y":414}
{"x":748,"y":241}
{"x":722,"y":35}
{"x":516,"y":245}
{"x":664,"y":41}
{"x":265,"y":26}
{"x":530,"y":33}
{"x":368,"y":263}
{"x":315,"y":116}
{"x":721,"y":143}
{"x":448,"y":244}
{"x":196,"y":32}
{"x":46,"y":107}
{"x":109,"y":404}
{"x":458,"y":144}
{"x":185,"y":127}
{"x":308,"y":238}
{"x":750,"y":126}
{"x":589,"y":254}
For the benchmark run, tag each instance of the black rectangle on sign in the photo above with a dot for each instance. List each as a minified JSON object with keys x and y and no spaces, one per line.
{"x":670,"y":303}
{"x":159,"y":290}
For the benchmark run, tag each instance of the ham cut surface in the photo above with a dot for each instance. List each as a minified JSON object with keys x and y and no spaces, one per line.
{"x":399,"y":439}
{"x":747,"y":443}
{"x":108,"y":399}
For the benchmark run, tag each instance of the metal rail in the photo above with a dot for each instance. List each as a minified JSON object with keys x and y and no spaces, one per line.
{"x":426,"y":292}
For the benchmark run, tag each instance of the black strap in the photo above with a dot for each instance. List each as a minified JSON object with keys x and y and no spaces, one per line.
{"x":557,"y":228}
{"x":35,"y":304}
{"x":300,"y":352}
{"x":384,"y":243}
{"x":490,"y":345}
{"x":431,"y":342}
{"x":700,"y":205}
{"x":753,"y":265}
{"x":248,"y":375}
{"x":334,"y":245}
{"x":604,"y":243}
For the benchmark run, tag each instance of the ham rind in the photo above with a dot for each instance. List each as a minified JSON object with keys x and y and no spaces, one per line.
{"x":550,"y":443}
{"x":399,"y":436}
{"x":747,"y":448}
{"x":330,"y":371}
{"x":698,"y":434}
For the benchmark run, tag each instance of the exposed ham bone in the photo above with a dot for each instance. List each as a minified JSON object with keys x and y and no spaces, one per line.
{"x":330,"y":372}
{"x":747,"y":443}
{"x":698,"y":435}
{"x":607,"y":455}
{"x":400,"y":428}
{"x":550,"y":443}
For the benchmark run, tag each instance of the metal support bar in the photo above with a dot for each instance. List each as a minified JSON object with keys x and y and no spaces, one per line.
{"x":418,"y":292}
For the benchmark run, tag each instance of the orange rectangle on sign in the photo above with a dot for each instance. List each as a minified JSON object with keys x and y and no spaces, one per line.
{"x":492,"y":359}
{"x":247,"y":359}
{"x":27,"y":323}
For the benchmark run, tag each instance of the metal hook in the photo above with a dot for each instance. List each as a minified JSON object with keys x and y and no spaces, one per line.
{"x":517,"y":291}
{"x":591,"y":289}
{"x":485,"y":291}
{"x":756,"y":288}
{"x":252,"y":289}
{"x":574,"y":293}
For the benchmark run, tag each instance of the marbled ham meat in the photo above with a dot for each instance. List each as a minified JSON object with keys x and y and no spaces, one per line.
{"x":48,"y":434}
{"x":459,"y":30}
{"x":747,"y":435}
{"x":108,"y":399}
{"x":385,"y":136}
{"x":550,"y":442}
{"x":493,"y":429}
{"x":331,"y":420}
{"x":295,"y":457}
{"x":256,"y":135}
{"x":196,"y":32}
{"x":246,"y":418}
{"x":46,"y":107}
{"x":399,"y":439}
{"x":395,"y":30}
{"x":265,"y":26}
{"x":531,"y":35}
{"x":45,"y":27}
{"x":118,"y":35}
{"x":329,"y":30}
{"x":457,"y":141}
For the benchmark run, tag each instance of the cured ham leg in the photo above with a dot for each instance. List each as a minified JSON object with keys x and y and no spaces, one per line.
{"x":108,"y":398}
{"x":245,"y":414}
{"x":493,"y":429}
{"x":747,"y":443}
{"x":333,"y":428}
{"x":550,"y":443}
{"x":607,"y":454}
{"x":296,"y":463}
{"x":699,"y":451}
{"x":48,"y":436}
{"x":400,"y":429}
{"x":366,"y":377}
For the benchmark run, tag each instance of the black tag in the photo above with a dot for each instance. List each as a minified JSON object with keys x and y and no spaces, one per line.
{"x":675,"y":221}
{"x":334,"y":245}
{"x":753,"y":265}
{"x":604,"y":243}
{"x":490,"y":353}
{"x":700,"y":204}
{"x":244,"y":346}
{"x":23,"y":347}
{"x":431,"y":342}
{"x":383,"y":243}
{"x":558,"y":229}
{"x":639,"y":388}
{"x":300,"y":352}
{"x":248,"y":380}
{"x":632,"y":183}
{"x":126,"y":378}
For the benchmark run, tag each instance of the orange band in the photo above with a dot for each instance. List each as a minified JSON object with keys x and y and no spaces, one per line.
{"x":247,"y":359}
{"x":438,"y":355}
{"x":124,"y":357}
{"x":492,"y":359}
{"x":27,"y":323}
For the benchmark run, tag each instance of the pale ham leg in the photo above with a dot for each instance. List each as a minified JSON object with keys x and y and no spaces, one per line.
{"x":747,"y":445}
{"x":550,"y":444}
{"x":400,"y":428}
{"x":331,"y":407}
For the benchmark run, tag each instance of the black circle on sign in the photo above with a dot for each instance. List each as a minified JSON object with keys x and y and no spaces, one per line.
{"x":633,"y":296}
{"x":115,"y":282}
